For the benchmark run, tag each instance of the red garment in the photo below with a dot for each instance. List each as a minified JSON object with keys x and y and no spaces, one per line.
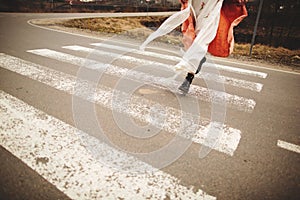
{"x":188,"y":27}
{"x":222,"y":45}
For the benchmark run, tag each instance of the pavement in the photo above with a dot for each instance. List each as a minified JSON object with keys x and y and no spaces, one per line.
{"x":85,"y":117}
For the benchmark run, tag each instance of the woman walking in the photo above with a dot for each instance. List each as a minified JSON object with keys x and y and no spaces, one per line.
{"x":207,"y":26}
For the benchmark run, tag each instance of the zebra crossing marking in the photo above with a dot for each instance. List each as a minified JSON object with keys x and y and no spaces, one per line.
{"x":288,"y":146}
{"x":103,"y":96}
{"x":177,"y":59}
{"x":227,"y":144}
{"x":55,"y":150}
{"x":257,"y":87}
{"x":205,"y":94}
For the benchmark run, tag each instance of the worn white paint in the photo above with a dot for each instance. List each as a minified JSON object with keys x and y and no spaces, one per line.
{"x":136,"y":51}
{"x":288,"y":146}
{"x":204,"y":94}
{"x":176,"y":58}
{"x":56,"y":151}
{"x":241,"y":71}
{"x":138,"y":108}
{"x":257,"y":87}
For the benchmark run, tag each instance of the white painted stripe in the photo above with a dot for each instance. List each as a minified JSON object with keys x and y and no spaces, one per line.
{"x":120,"y":56}
{"x":288,"y":146}
{"x":175,"y":58}
{"x":138,"y":108}
{"x":241,"y":71}
{"x":204,"y":94}
{"x":257,"y":87}
{"x":220,"y":59}
{"x":257,"y":66}
{"x":54,"y":150}
{"x":144,"y":53}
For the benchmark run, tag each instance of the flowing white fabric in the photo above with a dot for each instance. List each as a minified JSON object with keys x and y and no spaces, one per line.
{"x":206,"y":29}
{"x":207,"y":15}
{"x":170,"y":24}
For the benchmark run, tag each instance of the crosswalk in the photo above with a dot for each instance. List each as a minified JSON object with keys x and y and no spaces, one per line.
{"x":201,"y":93}
{"x":54,"y":149}
{"x":37,"y":138}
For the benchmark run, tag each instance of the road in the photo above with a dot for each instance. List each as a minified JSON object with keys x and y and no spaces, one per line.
{"x":126,"y":133}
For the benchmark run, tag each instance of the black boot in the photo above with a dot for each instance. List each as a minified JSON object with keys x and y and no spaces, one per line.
{"x":185,"y":86}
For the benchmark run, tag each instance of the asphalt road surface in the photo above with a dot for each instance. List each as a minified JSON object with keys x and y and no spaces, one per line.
{"x":91,"y":118}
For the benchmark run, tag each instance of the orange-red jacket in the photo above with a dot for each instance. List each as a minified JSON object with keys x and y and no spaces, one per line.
{"x":222,"y":45}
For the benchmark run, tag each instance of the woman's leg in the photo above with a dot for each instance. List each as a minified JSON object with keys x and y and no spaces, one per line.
{"x":185,"y":86}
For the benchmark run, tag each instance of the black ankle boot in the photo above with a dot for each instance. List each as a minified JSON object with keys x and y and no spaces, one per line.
{"x":185,"y":86}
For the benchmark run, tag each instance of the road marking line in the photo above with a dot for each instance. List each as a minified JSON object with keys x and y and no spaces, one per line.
{"x":177,"y":59}
{"x":101,"y":15}
{"x":138,"y":108}
{"x":241,"y":71}
{"x":257,"y":87}
{"x":233,"y":101}
{"x":257,"y":66}
{"x":55,"y":150}
{"x":137,"y":51}
{"x":288,"y":146}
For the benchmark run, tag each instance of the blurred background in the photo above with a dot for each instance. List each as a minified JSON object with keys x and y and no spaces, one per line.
{"x":278,"y":25}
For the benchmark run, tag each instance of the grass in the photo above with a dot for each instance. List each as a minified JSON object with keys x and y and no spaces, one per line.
{"x":269,"y":54}
{"x":114,"y":25}
{"x":141,"y":27}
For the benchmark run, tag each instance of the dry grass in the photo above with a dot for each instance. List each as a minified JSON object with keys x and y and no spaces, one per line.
{"x":269,"y":54}
{"x":140,"y":27}
{"x":133,"y":27}
{"x":113,"y":25}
